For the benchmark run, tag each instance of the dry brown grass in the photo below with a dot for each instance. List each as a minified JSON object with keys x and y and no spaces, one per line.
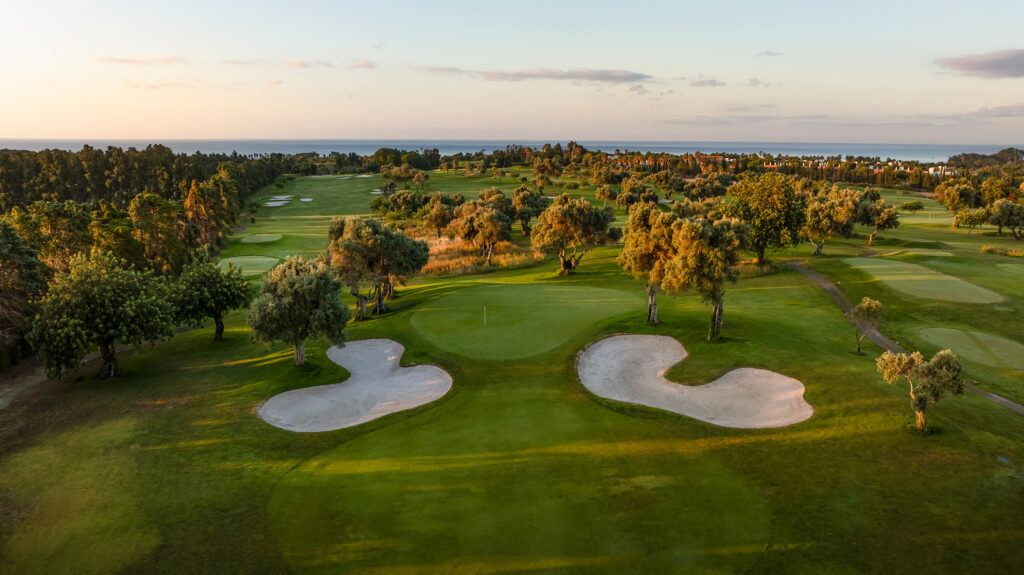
{"x":1002,"y":251}
{"x":453,"y":256}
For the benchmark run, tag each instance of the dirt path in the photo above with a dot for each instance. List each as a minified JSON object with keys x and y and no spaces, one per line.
{"x":880,"y":340}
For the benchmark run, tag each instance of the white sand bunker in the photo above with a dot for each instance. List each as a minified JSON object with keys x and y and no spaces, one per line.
{"x":631,"y":368}
{"x":378,"y":386}
{"x":275,"y":203}
{"x":306,"y":199}
{"x":280,"y":198}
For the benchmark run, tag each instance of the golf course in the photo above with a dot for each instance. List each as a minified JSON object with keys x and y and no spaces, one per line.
{"x":520,"y":420}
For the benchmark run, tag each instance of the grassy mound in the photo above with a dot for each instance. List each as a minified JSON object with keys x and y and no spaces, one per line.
{"x":250,"y":265}
{"x":260,"y":238}
{"x":977,"y":346}
{"x":522,"y":320}
{"x":922,"y":282}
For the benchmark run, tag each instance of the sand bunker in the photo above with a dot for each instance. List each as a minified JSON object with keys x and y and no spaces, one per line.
{"x":280,"y":198}
{"x":631,"y":368}
{"x":275,"y":203}
{"x":306,"y":199}
{"x":378,"y":386}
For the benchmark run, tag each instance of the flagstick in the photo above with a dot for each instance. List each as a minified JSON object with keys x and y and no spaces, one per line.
{"x":485,"y":314}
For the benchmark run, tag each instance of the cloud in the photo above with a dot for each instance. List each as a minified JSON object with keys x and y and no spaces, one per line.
{"x":301,"y":64}
{"x":377,"y":46}
{"x":363,"y":63}
{"x":573,"y":75}
{"x":639,"y":90}
{"x":246,"y":62}
{"x":1012,"y":111}
{"x":757,"y":83}
{"x":744,"y":119}
{"x":703,"y":82}
{"x":1000,"y":64}
{"x":767,"y":53}
{"x":274,"y":82}
{"x":143,"y":61}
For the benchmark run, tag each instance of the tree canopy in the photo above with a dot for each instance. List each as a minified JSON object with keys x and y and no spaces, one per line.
{"x":204,"y":291}
{"x":866,"y":316}
{"x":928,"y":380}
{"x":299,"y":299}
{"x":573,"y":223}
{"x":772,"y":208}
{"x":99,"y":303}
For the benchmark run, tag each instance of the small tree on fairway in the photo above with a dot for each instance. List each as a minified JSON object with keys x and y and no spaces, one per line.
{"x":827,"y":217}
{"x":647,"y":249}
{"x":866,"y":316}
{"x":705,"y":257}
{"x":912,"y":206}
{"x":99,"y":303}
{"x":299,"y":300}
{"x":878,"y":215}
{"x":204,"y":292}
{"x":928,"y":380}
{"x":573,"y":223}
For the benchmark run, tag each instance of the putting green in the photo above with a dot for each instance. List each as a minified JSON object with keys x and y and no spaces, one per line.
{"x":977,"y":346}
{"x":522,"y":320}
{"x":1012,"y":269}
{"x":922,"y":282}
{"x":261,"y":238}
{"x":929,"y":252}
{"x":250,"y":265}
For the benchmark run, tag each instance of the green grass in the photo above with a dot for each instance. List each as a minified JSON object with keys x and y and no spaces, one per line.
{"x":250,"y":265}
{"x":518,"y":468}
{"x":979,"y":347}
{"x":919,"y":281}
{"x":260,"y":238}
{"x":522,"y":320}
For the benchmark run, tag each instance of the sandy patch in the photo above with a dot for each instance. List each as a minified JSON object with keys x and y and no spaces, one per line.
{"x":306,"y":200}
{"x":276,"y":203}
{"x":281,"y":198}
{"x":378,"y":386}
{"x":631,"y":368}
{"x":364,"y":176}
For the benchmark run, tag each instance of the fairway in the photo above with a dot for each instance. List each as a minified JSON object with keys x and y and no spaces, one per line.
{"x":522,"y":320}
{"x":977,"y":346}
{"x":919,"y":281}
{"x":250,"y":265}
{"x":260,"y":238}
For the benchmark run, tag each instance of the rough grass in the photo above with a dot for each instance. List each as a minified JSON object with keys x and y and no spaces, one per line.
{"x":1002,"y":251}
{"x":453,"y":256}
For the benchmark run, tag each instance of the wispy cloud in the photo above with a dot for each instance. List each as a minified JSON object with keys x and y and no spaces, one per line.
{"x":302,"y":64}
{"x":574,"y":74}
{"x":1001,"y":64}
{"x":362,"y":63}
{"x":1012,"y":111}
{"x":377,"y":46}
{"x":190,"y":83}
{"x":639,"y":90}
{"x":767,"y":54}
{"x":702,"y":82}
{"x":246,"y":62}
{"x":141,"y":61}
{"x":757,"y":83}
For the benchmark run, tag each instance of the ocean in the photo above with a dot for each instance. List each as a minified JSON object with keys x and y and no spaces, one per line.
{"x":918,"y":152}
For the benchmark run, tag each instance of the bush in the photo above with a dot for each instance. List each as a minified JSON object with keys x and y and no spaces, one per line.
{"x":1002,"y":251}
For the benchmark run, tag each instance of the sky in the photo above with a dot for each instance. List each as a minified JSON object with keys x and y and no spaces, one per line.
{"x":872,"y":72}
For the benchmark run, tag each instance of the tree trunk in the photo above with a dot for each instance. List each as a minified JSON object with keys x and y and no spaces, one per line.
{"x":300,"y":353}
{"x":871,"y":238}
{"x":818,"y":247}
{"x":860,"y":338}
{"x":108,"y":368}
{"x":716,"y":321}
{"x":652,"y":304}
{"x":379,"y":307}
{"x":490,"y":252}
{"x":919,"y":422}
{"x":438,"y":233}
{"x":760,"y":255}
{"x":218,"y":332}
{"x":360,"y":307}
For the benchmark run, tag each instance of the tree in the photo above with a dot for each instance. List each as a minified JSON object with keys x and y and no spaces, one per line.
{"x":573,"y":223}
{"x":481,"y":224}
{"x":22,"y":281}
{"x":878,"y":215}
{"x":826,"y":218}
{"x":112,"y":231}
{"x":772,"y":208}
{"x":1005,"y":213}
{"x":866,"y":316}
{"x":366,"y":251}
{"x":606,"y":194}
{"x":57,"y":231}
{"x":420,"y":179}
{"x":204,"y":291}
{"x":299,"y":300}
{"x":438,"y":215}
{"x":912,"y":206}
{"x":99,"y":303}
{"x":528,"y":205}
{"x":928,"y":380}
{"x":970,"y":219}
{"x":705,"y":257}
{"x":646,"y":251}
{"x":160,"y":226}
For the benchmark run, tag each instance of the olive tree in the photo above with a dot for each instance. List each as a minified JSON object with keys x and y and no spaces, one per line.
{"x":772,"y":208}
{"x":299,"y":299}
{"x":481,"y":223}
{"x":99,"y":303}
{"x":866,"y":316}
{"x":879,"y":215}
{"x":647,"y":249}
{"x":826,"y":218}
{"x":204,"y":291}
{"x":528,"y":205}
{"x":704,"y":257}
{"x":573,"y":223}
{"x":928,"y":380}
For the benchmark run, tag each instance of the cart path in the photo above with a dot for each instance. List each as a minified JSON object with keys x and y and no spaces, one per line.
{"x":880,"y":340}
